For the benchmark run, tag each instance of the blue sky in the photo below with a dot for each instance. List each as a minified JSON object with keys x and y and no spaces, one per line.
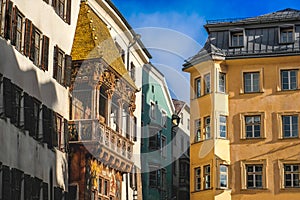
{"x":173,"y":30}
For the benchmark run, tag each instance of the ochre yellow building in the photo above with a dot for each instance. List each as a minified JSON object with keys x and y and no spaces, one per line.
{"x":245,"y":110}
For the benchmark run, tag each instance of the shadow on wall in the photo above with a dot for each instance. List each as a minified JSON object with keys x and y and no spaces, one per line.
{"x":26,"y":80}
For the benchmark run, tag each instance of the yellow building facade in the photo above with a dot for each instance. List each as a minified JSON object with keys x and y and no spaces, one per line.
{"x":245,"y":110}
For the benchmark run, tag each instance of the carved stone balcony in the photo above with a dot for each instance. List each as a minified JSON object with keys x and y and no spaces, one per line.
{"x":107,"y":145}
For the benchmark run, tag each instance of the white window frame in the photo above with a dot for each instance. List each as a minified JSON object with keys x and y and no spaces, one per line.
{"x":291,"y":128}
{"x":222,"y":123}
{"x":253,"y":124}
{"x":207,"y":126}
{"x":254,"y":175}
{"x":207,"y":177}
{"x":197,"y":130}
{"x":223,"y":173}
{"x":164,"y":118}
{"x":292,"y":173}
{"x":197,"y":178}
{"x":286,"y":29}
{"x":198,"y":87}
{"x":207,"y":83}
{"x":222,"y":82}
{"x":239,"y":33}
{"x":289,"y":77}
{"x":252,"y":82}
{"x":152,"y":110}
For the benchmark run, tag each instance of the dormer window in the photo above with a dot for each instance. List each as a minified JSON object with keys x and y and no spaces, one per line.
{"x":237,"y":38}
{"x":286,"y":34}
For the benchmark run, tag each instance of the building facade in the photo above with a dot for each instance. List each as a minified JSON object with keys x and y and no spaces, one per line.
{"x":156,"y":137}
{"x":106,"y":76}
{"x":245,"y":131}
{"x":35,"y":77}
{"x":180,"y":152}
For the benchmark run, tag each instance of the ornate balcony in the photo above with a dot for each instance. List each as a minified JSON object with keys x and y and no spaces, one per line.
{"x":105,"y":144}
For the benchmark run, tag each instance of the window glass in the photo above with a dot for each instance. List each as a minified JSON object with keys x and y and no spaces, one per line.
{"x":252,"y":126}
{"x":251,"y":82}
{"x":289,"y":79}
{"x":290,"y":126}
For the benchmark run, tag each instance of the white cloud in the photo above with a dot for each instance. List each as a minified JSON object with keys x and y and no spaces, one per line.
{"x":171,"y":38}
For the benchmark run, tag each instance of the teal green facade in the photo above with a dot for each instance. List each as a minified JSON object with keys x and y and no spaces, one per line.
{"x":156,"y":136}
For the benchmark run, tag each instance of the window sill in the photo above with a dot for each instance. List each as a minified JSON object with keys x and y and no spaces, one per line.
{"x":286,"y":90}
{"x":289,"y":138}
{"x":245,"y":93}
{"x":254,"y":190}
{"x":291,"y":189}
{"x":254,"y":138}
{"x":202,"y":141}
{"x":203,"y":190}
{"x":236,"y":46}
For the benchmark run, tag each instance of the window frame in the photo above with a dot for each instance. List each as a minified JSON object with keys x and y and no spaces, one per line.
{"x":289,"y":79}
{"x":37,"y":49}
{"x":2,"y":16}
{"x":197,"y":179}
{"x":207,"y":177}
{"x":292,"y":175}
{"x":164,"y":118}
{"x":252,"y":82}
{"x":288,"y":28}
{"x":207,"y":84}
{"x":254,"y":175}
{"x":222,"y":124}
{"x":224,"y":174}
{"x":244,"y":178}
{"x":253,"y":124}
{"x":222,"y":87}
{"x":240,"y":33}
{"x":262,"y":124}
{"x":207,"y":128}
{"x":291,"y":125}
{"x":20,"y":41}
{"x":163,"y":146}
{"x":152,"y":110}
{"x":197,"y":137}
{"x":198,"y":88}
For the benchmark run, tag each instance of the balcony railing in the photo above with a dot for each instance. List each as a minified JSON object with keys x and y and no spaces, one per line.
{"x":91,"y":130}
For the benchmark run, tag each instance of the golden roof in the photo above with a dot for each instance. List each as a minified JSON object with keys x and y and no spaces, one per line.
{"x":93,"y":40}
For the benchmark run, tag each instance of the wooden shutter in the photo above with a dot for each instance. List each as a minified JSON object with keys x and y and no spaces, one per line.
{"x":68,"y":70}
{"x":7,"y":89}
{"x":14,"y":108}
{"x":45,"y":53}
{"x":45,"y":191}
{"x":28,"y":115}
{"x":16,"y":177}
{"x":14,"y":26}
{"x":54,"y":4}
{"x":32,"y":43}
{"x":55,"y":62}
{"x":6,"y":180}
{"x":8,"y":20}
{"x":47,"y":136}
{"x":36,"y":188}
{"x":68,"y":16}
{"x":66,"y":135}
{"x":27,"y":37}
{"x":54,"y":130}
{"x":27,"y":187}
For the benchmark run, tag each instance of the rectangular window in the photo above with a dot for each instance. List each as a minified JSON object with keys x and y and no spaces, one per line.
{"x":61,"y":8}
{"x":286,"y":34}
{"x":253,"y":126}
{"x":152,"y":110}
{"x":155,"y":141}
{"x":153,"y":178}
{"x":132,"y":71}
{"x":223,"y":125}
{"x":254,"y":176}
{"x":197,"y":172}
{"x":292,"y":175}
{"x":164,"y":146}
{"x":59,"y":129}
{"x":188,"y":124}
{"x":163,"y":118}
{"x":60,"y":67}
{"x":289,"y":79}
{"x":251,"y":82}
{"x":207,"y":88}
{"x":37,"y":44}
{"x":106,"y":187}
{"x":198,"y":87}
{"x":207,"y":127}
{"x":223,"y":176}
{"x":181,"y":118}
{"x":2,"y":16}
{"x":207,"y":176}
{"x":36,"y":119}
{"x":19,"y":31}
{"x":17,"y":118}
{"x":290,"y":126}
{"x":197,"y":130}
{"x":100,"y":185}
{"x":222,"y":82}
{"x":237,"y":38}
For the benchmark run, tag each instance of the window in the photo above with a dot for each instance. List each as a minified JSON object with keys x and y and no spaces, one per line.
{"x":207,"y":127}
{"x":197,"y":130}
{"x":164,"y":146}
{"x":106,"y":187}
{"x":154,"y":141}
{"x":197,"y":172}
{"x":164,"y":118}
{"x":132,"y":71}
{"x":222,"y":82}
{"x":62,"y":67}
{"x":59,"y":129}
{"x":63,"y":9}
{"x":2,"y":16}
{"x":207,"y":88}
{"x":251,"y":82}
{"x":223,"y":124}
{"x":254,"y":176}
{"x":290,"y":126}
{"x":152,"y":110}
{"x":291,"y":175}
{"x":100,"y":185}
{"x":19,"y":30}
{"x":237,"y":38}
{"x":37,"y":44}
{"x":253,"y":126}
{"x":17,"y":97}
{"x":223,"y":176}
{"x":207,"y":176}
{"x":286,"y":35}
{"x":289,"y":79}
{"x":154,"y":177}
{"x":36,"y":119}
{"x":163,"y":179}
{"x":188,"y":124}
{"x":143,"y":103}
{"x":198,"y":87}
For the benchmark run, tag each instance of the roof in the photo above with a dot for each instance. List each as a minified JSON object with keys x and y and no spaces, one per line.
{"x":287,"y":14}
{"x":179,"y":105}
{"x":93,"y":40}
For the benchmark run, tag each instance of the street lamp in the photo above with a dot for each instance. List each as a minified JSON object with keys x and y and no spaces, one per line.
{"x":135,"y":38}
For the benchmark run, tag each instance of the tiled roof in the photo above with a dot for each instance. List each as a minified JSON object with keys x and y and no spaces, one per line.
{"x":93,"y":40}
